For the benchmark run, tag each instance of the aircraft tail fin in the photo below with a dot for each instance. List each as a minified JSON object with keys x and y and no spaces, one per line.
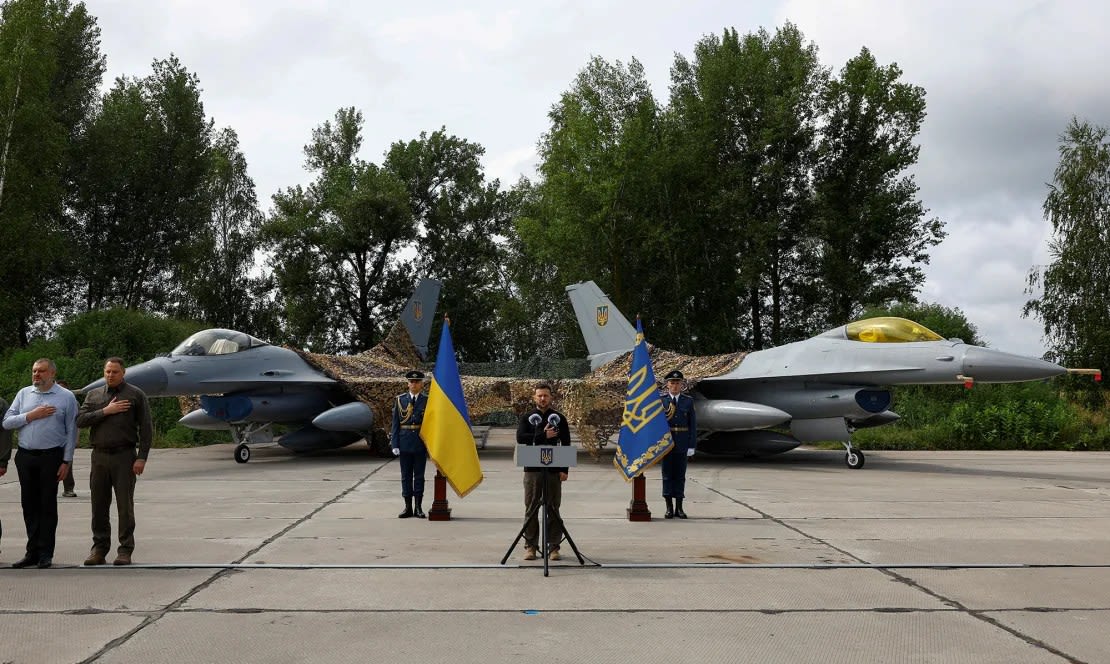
{"x":606,"y":331}
{"x":419,"y":313}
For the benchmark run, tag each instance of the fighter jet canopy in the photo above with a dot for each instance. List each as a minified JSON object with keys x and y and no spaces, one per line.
{"x":889,"y":329}
{"x":217,"y":342}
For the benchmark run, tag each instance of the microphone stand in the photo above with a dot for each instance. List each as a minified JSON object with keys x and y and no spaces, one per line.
{"x":544,"y":502}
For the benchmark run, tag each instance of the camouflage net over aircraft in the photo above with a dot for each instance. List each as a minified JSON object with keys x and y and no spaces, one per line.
{"x":594,"y":405}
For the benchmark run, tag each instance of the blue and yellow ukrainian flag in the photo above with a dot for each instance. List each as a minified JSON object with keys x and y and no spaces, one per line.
{"x":645,"y":436}
{"x":446,"y":427}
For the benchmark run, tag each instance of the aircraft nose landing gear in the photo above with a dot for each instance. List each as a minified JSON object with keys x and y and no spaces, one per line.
{"x":854,"y":457}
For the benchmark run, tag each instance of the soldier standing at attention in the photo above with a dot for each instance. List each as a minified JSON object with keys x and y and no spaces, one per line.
{"x":119,"y":417}
{"x":404,"y":437}
{"x":679,"y":409}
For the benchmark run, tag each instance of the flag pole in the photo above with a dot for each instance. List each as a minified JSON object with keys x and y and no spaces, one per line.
{"x":441,"y":509}
{"x":638,"y":507}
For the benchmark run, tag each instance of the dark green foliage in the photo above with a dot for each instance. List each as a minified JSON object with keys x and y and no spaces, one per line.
{"x":50,"y":68}
{"x":142,"y":204}
{"x":336,"y":245}
{"x":462,"y":219}
{"x":1021,"y":416}
{"x":1075,"y":303}
{"x":872,"y":229}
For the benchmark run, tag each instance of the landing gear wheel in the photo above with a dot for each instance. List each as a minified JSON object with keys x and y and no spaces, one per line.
{"x":242,"y":453}
{"x":854,"y":459}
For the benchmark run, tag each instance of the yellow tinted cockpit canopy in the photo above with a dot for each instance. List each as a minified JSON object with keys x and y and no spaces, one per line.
{"x":889,"y":329}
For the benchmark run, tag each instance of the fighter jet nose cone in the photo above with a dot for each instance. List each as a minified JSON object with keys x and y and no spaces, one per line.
{"x":149,"y":377}
{"x":994,"y":366}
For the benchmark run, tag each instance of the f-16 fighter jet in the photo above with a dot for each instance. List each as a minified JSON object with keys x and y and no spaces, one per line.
{"x":822,"y":388}
{"x":247,"y":386}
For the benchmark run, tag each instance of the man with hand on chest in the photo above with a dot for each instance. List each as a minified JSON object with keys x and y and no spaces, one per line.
{"x":118,"y":415}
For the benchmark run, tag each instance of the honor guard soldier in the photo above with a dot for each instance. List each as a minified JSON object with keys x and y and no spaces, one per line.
{"x":404,"y":437}
{"x":679,"y":409}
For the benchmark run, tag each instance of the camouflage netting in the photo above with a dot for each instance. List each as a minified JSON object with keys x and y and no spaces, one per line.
{"x":594,"y":405}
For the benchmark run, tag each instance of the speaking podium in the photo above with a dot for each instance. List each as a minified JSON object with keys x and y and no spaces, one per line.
{"x":544,"y":458}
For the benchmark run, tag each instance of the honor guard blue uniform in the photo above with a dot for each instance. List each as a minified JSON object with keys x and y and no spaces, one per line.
{"x":404,"y":437}
{"x":679,"y":410}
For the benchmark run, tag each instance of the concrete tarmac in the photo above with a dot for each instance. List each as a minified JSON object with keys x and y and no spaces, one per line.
{"x":918,"y":557}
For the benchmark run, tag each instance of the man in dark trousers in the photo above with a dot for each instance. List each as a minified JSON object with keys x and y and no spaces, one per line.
{"x":5,"y":451}
{"x":118,"y":415}
{"x":543,"y":425}
{"x":404,"y":437}
{"x":679,"y":409}
{"x":45,"y":414}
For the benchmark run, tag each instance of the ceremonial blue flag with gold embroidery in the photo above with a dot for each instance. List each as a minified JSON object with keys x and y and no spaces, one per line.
{"x":645,"y":436}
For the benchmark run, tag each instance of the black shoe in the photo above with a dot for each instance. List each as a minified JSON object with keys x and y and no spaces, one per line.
{"x":669,"y":514}
{"x":45,"y":562}
{"x":25,"y":561}
{"x":408,"y":509}
{"x":670,"y":507}
{"x":418,"y":512}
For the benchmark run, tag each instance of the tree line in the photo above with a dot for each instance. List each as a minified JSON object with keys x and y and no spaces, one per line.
{"x":768,"y":198}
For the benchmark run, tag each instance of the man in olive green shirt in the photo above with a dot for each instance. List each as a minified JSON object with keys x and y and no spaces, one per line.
{"x":119,"y":417}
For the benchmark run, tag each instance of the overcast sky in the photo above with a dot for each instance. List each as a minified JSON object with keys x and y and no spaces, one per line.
{"x":1002,"y":81}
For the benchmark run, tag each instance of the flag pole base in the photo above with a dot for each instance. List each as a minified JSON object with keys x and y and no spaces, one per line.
{"x":440,"y":510}
{"x":638,"y":508}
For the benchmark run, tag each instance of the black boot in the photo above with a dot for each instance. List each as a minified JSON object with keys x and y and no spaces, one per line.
{"x":678,"y":509}
{"x":419,"y":511}
{"x":670,"y":507}
{"x":408,"y":508}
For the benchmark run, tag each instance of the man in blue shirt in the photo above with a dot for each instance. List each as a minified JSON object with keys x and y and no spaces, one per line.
{"x":45,"y":415}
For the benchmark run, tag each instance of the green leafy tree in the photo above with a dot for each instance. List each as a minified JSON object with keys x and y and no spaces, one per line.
{"x":1075,"y":301}
{"x":600,"y":210}
{"x":221,"y":291}
{"x":745,"y":116}
{"x":336,"y":244}
{"x":143,"y":202}
{"x":462,"y":220}
{"x":50,"y":68}
{"x":872,"y":229}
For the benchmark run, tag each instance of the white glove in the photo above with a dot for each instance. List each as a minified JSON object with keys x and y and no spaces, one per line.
{"x":396,"y":452}
{"x":690,"y":452}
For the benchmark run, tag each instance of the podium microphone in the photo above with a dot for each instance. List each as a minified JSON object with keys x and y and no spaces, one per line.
{"x":534,"y":419}
{"x":553,"y":419}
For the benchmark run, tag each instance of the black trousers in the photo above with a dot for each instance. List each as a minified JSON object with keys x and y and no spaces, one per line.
{"x":674,"y":474}
{"x":413,"y":465}
{"x":38,"y":494}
